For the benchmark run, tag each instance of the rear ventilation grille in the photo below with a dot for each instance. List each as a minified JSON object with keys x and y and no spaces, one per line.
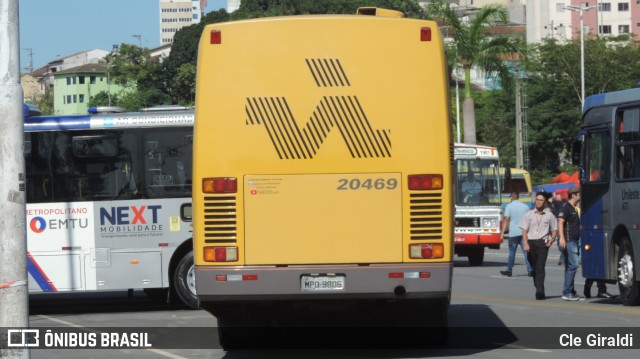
{"x":426,"y":216}
{"x":220,"y":219}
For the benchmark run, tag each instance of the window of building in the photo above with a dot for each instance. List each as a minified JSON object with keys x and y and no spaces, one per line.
{"x":623,"y":6}
{"x":604,"y":6}
{"x":81,"y":98}
{"x":92,"y":80}
{"x":560,"y":7}
{"x":605,"y":29}
{"x":68,"y":98}
{"x":623,"y":29}
{"x":68,"y":80}
{"x":81,"y":80}
{"x":75,"y":99}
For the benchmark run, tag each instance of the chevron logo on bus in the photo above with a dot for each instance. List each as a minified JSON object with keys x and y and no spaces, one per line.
{"x":342,"y":113}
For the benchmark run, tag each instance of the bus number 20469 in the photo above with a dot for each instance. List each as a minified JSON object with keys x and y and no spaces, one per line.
{"x":345,"y":184}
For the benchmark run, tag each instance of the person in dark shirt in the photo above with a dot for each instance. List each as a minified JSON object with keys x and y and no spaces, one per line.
{"x":556,"y":203}
{"x":569,"y":234}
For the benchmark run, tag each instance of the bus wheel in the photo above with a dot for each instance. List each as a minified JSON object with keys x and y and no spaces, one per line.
{"x":184,"y":281}
{"x":476,"y":256}
{"x":627,"y":275}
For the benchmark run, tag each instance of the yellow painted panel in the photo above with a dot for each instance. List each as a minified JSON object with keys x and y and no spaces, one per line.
{"x":317,"y":219}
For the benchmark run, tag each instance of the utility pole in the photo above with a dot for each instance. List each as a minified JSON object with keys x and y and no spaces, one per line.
{"x":14,"y":299}
{"x":519,"y":149}
{"x":30,"y":54}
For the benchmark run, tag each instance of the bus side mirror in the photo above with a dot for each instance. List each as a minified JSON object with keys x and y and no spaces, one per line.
{"x":576,"y":151}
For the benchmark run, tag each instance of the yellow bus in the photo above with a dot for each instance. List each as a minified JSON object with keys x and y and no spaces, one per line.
{"x":323,"y":169}
{"x":516,"y":180}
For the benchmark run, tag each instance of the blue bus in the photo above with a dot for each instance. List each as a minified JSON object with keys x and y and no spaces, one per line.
{"x":608,"y":153}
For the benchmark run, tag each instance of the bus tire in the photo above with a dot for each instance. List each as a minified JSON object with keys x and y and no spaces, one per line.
{"x":476,"y":256}
{"x":628,"y":275}
{"x":184,"y":281}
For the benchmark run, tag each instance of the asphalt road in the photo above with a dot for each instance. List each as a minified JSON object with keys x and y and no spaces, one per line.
{"x":483,"y":303}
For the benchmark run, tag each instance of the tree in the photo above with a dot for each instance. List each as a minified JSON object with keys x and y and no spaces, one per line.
{"x":474,"y":46}
{"x":45,"y":103}
{"x":102,"y":99}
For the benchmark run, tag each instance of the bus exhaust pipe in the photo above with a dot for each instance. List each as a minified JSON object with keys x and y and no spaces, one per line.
{"x":399,"y":291}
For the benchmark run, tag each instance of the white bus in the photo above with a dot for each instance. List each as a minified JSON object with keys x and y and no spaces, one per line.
{"x":478,"y":201}
{"x":108,"y":203}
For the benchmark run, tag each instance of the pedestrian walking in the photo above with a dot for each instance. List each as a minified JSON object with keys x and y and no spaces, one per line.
{"x":602,"y":289}
{"x":514,"y":212}
{"x":569,"y":234}
{"x":556,"y":204}
{"x":539,"y":228}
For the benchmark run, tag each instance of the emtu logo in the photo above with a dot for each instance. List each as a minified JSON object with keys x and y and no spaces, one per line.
{"x":342,"y":112}
{"x":38,"y":224}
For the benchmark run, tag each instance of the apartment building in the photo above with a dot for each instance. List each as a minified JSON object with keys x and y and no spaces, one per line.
{"x":176,"y":14}
{"x":552,"y":18}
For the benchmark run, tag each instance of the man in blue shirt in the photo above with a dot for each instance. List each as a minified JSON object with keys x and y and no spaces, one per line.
{"x":512,"y":217}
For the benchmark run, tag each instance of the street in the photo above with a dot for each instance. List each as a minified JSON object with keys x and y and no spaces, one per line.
{"x":481,"y":298}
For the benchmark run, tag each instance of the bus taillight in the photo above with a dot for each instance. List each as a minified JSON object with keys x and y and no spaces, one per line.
{"x":426,"y":251}
{"x":216,"y":37}
{"x":220,"y":254}
{"x":425,"y":34}
{"x":425,"y":182}
{"x":220,"y":185}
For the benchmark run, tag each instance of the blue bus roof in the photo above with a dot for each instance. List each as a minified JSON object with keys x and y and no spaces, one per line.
{"x":611,"y":98}
{"x":109,"y":121}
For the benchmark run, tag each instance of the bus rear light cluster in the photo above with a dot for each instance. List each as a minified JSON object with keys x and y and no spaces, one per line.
{"x":409,"y":275}
{"x":220,"y":185}
{"x":236,"y":277}
{"x":426,"y":251}
{"x":220,"y":254}
{"x":425,"y":182}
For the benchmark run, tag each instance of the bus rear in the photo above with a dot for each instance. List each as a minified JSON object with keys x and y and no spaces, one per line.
{"x":323,"y":165}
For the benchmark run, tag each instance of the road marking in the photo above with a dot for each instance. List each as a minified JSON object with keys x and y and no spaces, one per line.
{"x":545,"y":303}
{"x":86,"y":329}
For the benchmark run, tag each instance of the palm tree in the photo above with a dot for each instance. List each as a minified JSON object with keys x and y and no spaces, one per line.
{"x":472,"y":45}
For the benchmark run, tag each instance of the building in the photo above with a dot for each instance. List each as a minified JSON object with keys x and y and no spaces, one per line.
{"x":176,"y":14}
{"x":551,"y":19}
{"x":74,"y":88}
{"x":31,"y":88}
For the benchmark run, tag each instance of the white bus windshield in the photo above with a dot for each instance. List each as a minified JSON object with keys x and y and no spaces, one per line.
{"x":477,"y":182}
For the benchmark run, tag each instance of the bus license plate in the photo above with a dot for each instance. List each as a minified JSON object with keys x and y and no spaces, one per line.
{"x":322,"y":283}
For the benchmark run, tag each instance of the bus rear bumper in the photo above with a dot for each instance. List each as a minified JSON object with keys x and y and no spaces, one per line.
{"x":393,"y":281}
{"x":492,"y":239}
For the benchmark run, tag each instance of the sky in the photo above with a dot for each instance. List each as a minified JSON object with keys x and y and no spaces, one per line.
{"x":64,"y":27}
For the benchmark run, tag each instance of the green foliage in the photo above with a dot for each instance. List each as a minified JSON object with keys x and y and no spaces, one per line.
{"x":45,"y":103}
{"x":102,"y":99}
{"x":130,"y":65}
{"x":263,"y":8}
